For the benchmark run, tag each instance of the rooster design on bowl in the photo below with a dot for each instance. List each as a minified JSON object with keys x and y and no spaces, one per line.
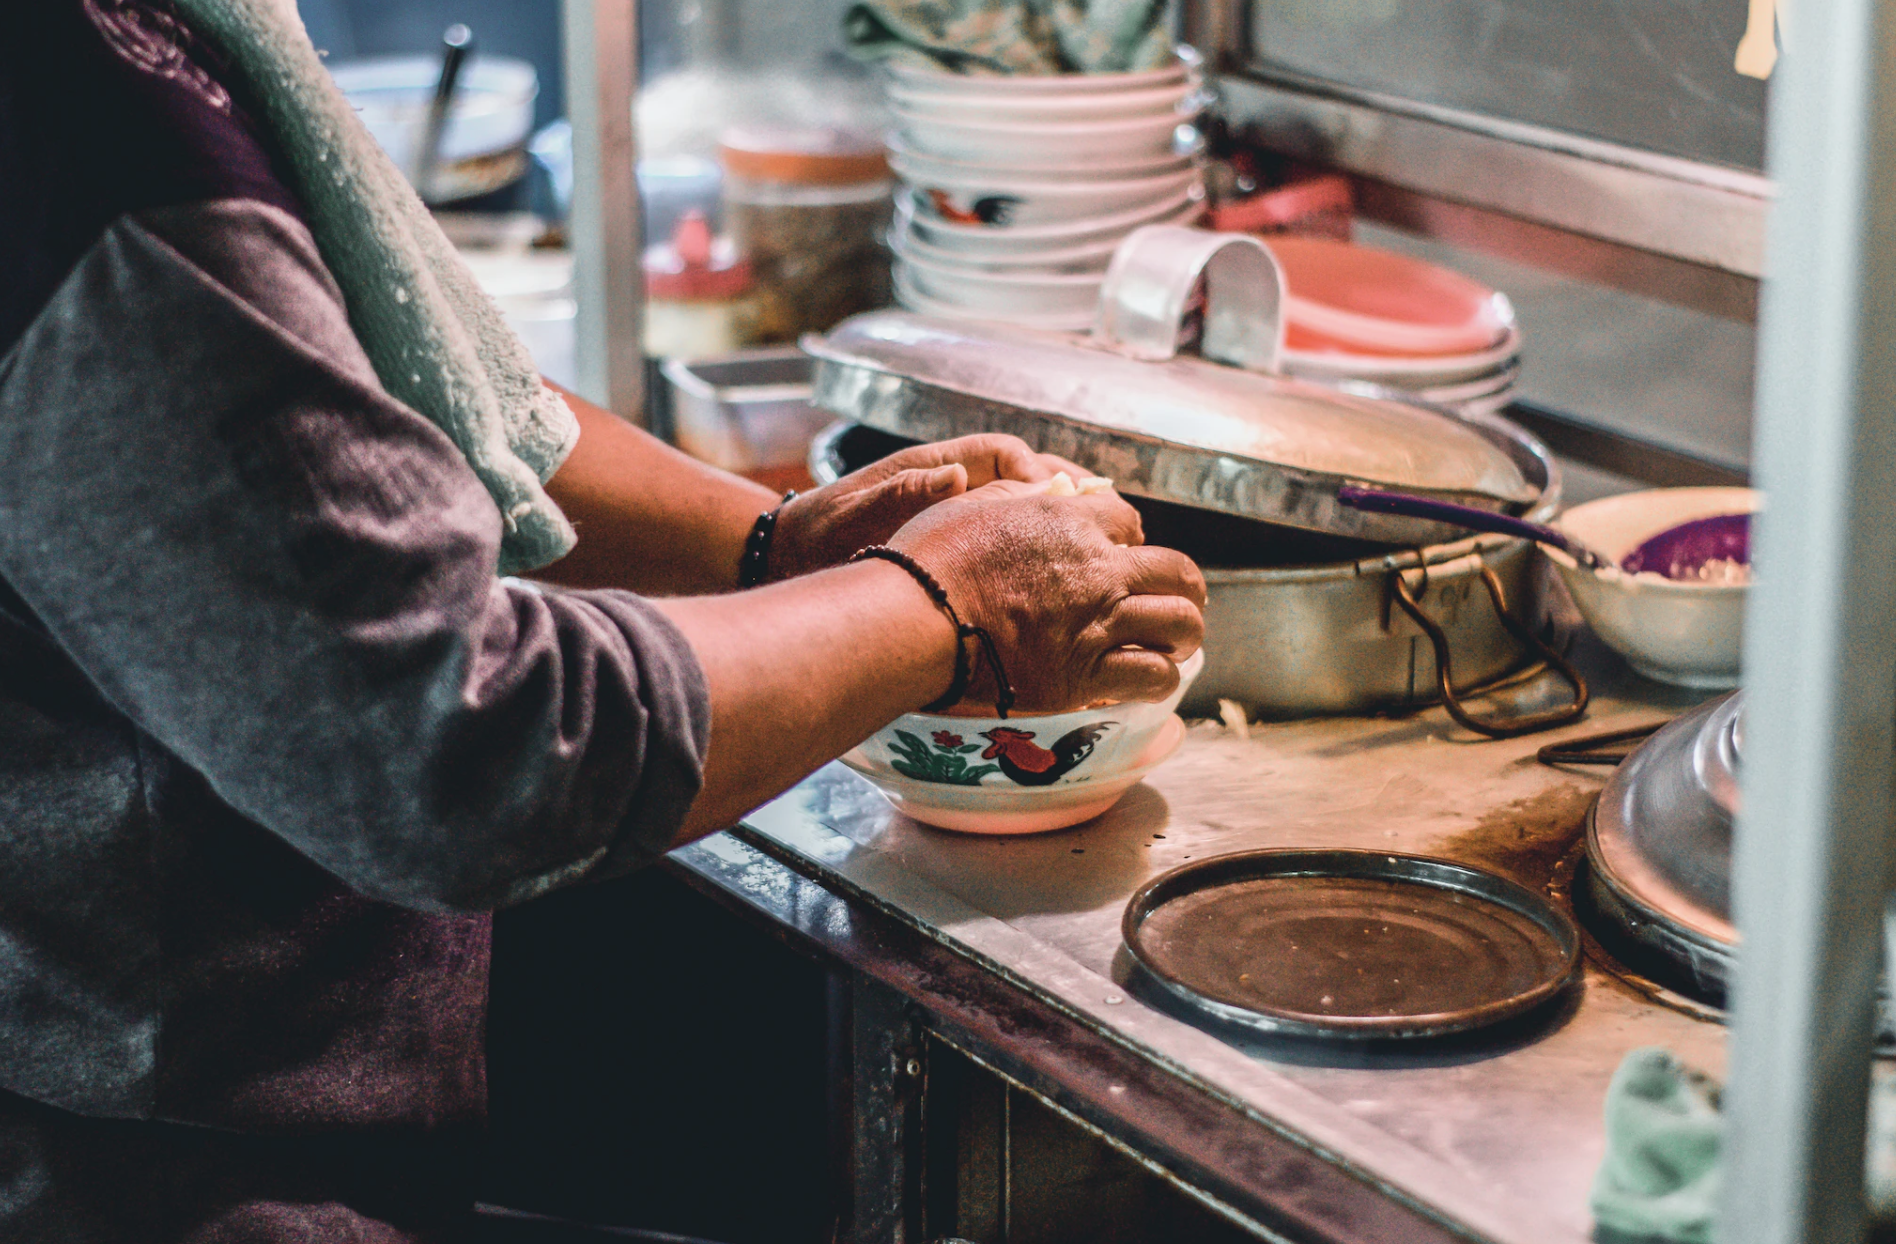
{"x":1016,"y":755}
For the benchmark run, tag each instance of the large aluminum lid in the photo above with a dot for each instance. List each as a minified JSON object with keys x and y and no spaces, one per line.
{"x":1183,"y":429}
{"x":1219,"y":430}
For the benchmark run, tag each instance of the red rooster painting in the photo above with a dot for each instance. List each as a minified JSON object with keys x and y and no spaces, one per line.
{"x":1028,"y":764}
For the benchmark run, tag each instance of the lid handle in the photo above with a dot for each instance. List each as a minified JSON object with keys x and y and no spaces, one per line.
{"x":1150,"y":287}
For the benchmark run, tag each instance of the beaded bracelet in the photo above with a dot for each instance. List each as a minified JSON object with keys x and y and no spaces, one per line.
{"x":754,"y":566}
{"x":964,"y":665}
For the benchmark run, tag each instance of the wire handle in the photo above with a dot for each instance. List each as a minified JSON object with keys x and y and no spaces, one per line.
{"x":1528,"y":723}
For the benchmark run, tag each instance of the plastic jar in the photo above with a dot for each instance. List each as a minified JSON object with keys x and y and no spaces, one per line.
{"x":811,"y":209}
{"x":700,"y":297}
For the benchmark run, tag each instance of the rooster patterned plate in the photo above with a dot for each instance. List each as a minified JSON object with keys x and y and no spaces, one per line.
{"x":1025,"y":774}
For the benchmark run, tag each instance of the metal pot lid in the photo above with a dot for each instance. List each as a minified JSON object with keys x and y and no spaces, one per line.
{"x":1665,"y":816}
{"x":1180,"y":429}
{"x":1659,"y":842}
{"x":1347,"y":944}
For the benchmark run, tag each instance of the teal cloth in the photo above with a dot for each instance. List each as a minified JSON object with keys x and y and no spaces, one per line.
{"x":1013,"y":36}
{"x":1663,"y":1135}
{"x":1664,"y":1132}
{"x":438,"y":343}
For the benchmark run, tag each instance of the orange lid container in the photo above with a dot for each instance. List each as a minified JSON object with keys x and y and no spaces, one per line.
{"x":804,"y":157}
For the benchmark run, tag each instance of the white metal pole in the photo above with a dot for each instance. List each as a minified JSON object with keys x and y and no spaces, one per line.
{"x":1813,"y":842}
{"x":602,"y":77}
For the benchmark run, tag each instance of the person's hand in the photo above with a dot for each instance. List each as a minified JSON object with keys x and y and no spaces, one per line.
{"x":1080,"y":608}
{"x":824,"y":527}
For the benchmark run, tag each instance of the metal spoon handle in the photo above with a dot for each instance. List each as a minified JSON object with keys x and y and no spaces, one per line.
{"x":1376,"y":501}
{"x":456,"y":44}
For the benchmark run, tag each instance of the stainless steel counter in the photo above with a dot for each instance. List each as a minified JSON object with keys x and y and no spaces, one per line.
{"x":1497,"y":1138}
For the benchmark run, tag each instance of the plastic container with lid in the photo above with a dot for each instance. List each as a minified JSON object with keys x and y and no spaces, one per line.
{"x":700,"y":294}
{"x":810,"y":207}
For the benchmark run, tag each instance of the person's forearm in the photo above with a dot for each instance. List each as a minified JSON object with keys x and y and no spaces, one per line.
{"x":800,"y":672}
{"x":650,"y":519}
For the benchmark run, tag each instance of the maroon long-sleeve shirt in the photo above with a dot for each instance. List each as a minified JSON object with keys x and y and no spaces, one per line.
{"x":273,"y":734}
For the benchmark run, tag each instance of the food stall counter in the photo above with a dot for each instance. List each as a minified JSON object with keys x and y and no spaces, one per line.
{"x":1491,"y":1136}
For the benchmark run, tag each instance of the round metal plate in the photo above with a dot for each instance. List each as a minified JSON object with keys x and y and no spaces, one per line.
{"x":1350,"y":944}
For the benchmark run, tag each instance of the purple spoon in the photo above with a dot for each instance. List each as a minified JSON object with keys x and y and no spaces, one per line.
{"x":1679,"y":552}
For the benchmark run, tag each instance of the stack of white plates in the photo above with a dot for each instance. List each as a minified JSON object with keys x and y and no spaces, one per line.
{"x":1378,"y":322}
{"x":1016,"y":190}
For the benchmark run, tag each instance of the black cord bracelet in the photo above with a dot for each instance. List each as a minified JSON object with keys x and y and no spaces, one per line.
{"x":964,"y":665}
{"x":754,"y":566}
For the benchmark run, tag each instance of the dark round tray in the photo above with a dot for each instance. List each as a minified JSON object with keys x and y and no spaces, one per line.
{"x":1350,"y":944}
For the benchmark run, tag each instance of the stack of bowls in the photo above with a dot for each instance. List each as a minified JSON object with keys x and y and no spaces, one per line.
{"x":1017,"y":190}
{"x":1387,"y":324}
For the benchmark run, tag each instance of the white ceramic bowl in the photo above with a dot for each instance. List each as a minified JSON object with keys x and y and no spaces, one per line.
{"x":915,"y":165}
{"x":1062,"y":144}
{"x":1030,"y":86}
{"x":990,"y":202}
{"x":909,"y":299}
{"x":1006,"y":294}
{"x":1689,"y":634}
{"x":1182,"y":98}
{"x":1093,"y":259}
{"x":1027,"y":773}
{"x":1041,"y":240}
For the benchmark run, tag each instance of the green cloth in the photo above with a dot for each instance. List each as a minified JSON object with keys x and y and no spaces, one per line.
{"x":1013,"y":36}
{"x":1660,"y":1179}
{"x":1663,"y":1135}
{"x":438,"y":343}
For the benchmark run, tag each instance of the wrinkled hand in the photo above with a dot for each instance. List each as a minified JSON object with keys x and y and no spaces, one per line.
{"x":1081,"y":610}
{"x":824,"y":527}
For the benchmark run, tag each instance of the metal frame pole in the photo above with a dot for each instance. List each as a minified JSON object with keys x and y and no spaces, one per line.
{"x":602,"y":80}
{"x":1813,"y":842}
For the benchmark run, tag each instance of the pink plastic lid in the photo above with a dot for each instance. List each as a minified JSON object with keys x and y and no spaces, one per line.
{"x":1354,"y":299}
{"x":695,"y":266}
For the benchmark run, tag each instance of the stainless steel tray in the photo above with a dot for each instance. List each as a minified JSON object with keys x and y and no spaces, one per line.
{"x":1349,"y":945}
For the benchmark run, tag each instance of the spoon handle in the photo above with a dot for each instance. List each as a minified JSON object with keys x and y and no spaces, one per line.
{"x":1378,"y":502}
{"x":457,"y":42}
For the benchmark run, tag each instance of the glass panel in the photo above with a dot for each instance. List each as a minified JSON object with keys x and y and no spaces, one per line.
{"x":1647,"y":73}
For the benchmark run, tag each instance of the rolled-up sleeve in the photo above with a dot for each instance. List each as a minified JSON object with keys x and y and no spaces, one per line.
{"x":287,"y":579}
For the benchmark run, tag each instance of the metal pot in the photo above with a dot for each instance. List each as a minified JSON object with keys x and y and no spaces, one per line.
{"x":1291,"y":633}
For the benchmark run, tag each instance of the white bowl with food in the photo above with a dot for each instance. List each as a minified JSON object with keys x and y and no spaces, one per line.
{"x":1686,"y":632}
{"x":992,"y":202}
{"x":1026,"y":773}
{"x":1058,"y":144}
{"x":484,"y":143}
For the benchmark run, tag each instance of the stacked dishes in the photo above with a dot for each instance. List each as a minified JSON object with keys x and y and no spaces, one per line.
{"x":1017,"y":190}
{"x":1384,"y":324}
